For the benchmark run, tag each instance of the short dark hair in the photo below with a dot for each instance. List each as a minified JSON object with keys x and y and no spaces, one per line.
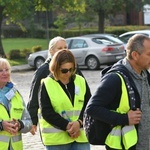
{"x":135,"y":43}
{"x":59,"y":58}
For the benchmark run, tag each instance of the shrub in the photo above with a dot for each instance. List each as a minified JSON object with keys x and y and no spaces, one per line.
{"x":36,"y":48}
{"x":14,"y":54}
{"x":25,"y":53}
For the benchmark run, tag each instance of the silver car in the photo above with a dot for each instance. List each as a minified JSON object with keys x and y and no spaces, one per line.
{"x":125,"y":36}
{"x":36,"y":59}
{"x":91,"y":51}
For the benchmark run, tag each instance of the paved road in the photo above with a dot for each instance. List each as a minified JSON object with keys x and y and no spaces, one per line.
{"x":23,"y":81}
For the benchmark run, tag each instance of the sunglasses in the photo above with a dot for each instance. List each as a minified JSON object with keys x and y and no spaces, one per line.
{"x":66,"y":70}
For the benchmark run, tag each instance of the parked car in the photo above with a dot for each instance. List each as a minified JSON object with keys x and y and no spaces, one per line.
{"x":125,"y":36}
{"x":91,"y":51}
{"x":110,"y":37}
{"x":36,"y":59}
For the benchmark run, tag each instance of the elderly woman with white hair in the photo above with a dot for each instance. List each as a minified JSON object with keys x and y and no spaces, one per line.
{"x":14,"y":117}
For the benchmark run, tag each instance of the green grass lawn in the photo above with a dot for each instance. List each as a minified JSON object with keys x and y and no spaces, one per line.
{"x":23,"y":43}
{"x":16,"y":62}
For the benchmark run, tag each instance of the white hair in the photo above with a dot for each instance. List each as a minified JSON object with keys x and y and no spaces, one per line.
{"x":53,"y":41}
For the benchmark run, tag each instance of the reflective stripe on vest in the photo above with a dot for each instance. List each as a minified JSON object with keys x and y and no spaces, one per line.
{"x":120,"y":134}
{"x":60,"y":102}
{"x":69,"y":113}
{"x":15,"y":138}
{"x":53,"y":130}
{"x":16,"y":111}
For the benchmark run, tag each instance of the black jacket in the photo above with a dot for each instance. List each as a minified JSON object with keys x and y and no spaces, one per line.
{"x":107,"y":97}
{"x":39,"y":74}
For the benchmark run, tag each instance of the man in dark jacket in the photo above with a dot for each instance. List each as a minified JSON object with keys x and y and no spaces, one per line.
{"x":105,"y":101}
{"x":55,"y":45}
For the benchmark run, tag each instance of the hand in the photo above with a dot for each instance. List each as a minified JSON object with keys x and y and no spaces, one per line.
{"x":134,"y":116}
{"x":17,"y":124}
{"x":74,"y":130}
{"x":75,"y":134}
{"x":33,"y":130}
{"x":10,"y":127}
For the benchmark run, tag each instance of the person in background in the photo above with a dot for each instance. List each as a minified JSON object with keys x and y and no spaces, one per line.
{"x":125,"y":106}
{"x":62,"y":99}
{"x":14,"y":117}
{"x":55,"y":44}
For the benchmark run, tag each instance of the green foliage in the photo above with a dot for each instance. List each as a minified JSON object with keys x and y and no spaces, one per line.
{"x":14,"y":54}
{"x":60,"y":22}
{"x":19,"y":54}
{"x":106,"y":6}
{"x":9,"y":32}
{"x":25,"y":53}
{"x":15,"y":32}
{"x":15,"y":62}
{"x":75,"y":6}
{"x":69,"y":5}
{"x":36,"y":48}
{"x":17,"y":10}
{"x":44,"y":5}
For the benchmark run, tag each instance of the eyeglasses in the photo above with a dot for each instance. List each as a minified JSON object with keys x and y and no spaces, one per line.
{"x":4,"y":70}
{"x":66,"y":70}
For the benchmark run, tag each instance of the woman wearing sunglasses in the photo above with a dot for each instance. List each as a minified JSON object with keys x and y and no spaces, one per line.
{"x":62,"y":99}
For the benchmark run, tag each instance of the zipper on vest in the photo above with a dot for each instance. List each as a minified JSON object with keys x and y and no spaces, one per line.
{"x":68,"y":93}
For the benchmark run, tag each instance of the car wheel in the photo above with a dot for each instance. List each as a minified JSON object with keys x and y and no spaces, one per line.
{"x":92,"y":63}
{"x":38,"y":62}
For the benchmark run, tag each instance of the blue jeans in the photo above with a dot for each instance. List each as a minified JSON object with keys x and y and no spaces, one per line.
{"x":70,"y":146}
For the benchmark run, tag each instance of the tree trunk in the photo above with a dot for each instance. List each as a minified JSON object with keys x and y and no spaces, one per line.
{"x":2,"y":53}
{"x":101,"y":18}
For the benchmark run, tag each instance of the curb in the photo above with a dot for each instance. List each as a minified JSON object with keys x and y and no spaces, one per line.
{"x":20,"y":68}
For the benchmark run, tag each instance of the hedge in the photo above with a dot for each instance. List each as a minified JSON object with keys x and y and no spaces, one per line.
{"x":41,"y":33}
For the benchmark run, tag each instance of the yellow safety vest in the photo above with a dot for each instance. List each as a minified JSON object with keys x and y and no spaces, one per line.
{"x":16,"y":111}
{"x":60,"y":102}
{"x":118,"y":134}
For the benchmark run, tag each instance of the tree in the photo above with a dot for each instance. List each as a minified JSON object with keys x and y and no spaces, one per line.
{"x":17,"y":10}
{"x":14,"y":11}
{"x":105,"y":7}
{"x":1,"y":18}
